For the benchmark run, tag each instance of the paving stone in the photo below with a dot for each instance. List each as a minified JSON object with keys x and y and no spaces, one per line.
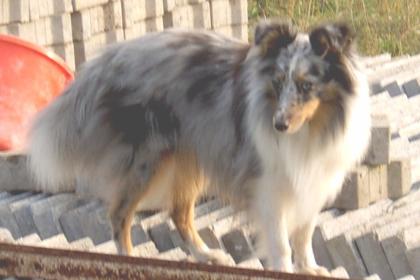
{"x":140,"y":10}
{"x":146,"y":250}
{"x":209,"y":238}
{"x":108,"y":247}
{"x":394,"y":249}
{"x":84,"y":244}
{"x":22,"y":212}
{"x":229,"y":12}
{"x":160,"y":234}
{"x":57,"y":241}
{"x":378,"y":152}
{"x":344,"y":253}
{"x":71,"y":222}
{"x":322,"y":256}
{"x":141,"y":28}
{"x":18,"y":11}
{"x":87,"y":49}
{"x":46,"y":213}
{"x":14,"y":174}
{"x":411,"y":88}
{"x":30,"y":239}
{"x":371,"y":61}
{"x":175,"y":254}
{"x":208,"y":219}
{"x":238,"y":31}
{"x":373,"y":256}
{"x":413,"y":257}
{"x":340,"y":272}
{"x":237,"y":245}
{"x":189,"y":16}
{"x":96,"y":225}
{"x":253,"y":263}
{"x":138,"y":235}
{"x":229,"y":223}
{"x":83,"y":4}
{"x":355,"y":191}
{"x":399,"y":178}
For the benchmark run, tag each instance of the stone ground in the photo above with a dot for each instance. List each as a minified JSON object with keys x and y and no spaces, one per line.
{"x":381,"y":241}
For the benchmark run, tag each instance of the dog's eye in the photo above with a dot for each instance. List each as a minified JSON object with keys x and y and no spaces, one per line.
{"x":306,"y":86}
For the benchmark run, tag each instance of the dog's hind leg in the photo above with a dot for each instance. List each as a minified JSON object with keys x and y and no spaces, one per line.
{"x":122,"y":212}
{"x":189,"y":183}
{"x":304,"y":259}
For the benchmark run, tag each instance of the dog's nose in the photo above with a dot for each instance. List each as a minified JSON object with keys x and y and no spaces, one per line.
{"x":282,"y":125}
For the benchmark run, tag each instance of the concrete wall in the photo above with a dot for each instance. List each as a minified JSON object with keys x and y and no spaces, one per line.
{"x":77,"y":29}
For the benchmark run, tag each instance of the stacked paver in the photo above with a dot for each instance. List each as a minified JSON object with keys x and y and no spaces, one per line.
{"x":77,"y":30}
{"x":380,"y":238}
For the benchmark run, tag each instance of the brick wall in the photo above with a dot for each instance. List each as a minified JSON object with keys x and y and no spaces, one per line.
{"x":77,"y":29}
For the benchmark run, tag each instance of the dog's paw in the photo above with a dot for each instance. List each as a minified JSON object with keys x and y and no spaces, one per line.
{"x":314,"y":270}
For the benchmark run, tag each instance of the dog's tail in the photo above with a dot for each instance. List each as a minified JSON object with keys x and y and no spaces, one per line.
{"x":52,"y":146}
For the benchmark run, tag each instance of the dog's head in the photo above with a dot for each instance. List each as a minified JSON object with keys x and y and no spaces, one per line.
{"x":305,"y":73}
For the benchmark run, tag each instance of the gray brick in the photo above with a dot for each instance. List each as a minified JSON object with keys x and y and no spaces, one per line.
{"x":393,"y":89}
{"x":66,"y":52}
{"x":237,"y":245}
{"x":139,"y":10}
{"x":355,"y":191}
{"x":58,"y":29}
{"x":413,"y":257}
{"x":322,"y":256}
{"x":411,"y":88}
{"x":84,"y":244}
{"x":142,"y":27}
{"x":147,"y":249}
{"x":353,"y":219}
{"x":22,"y":213}
{"x":46,"y":213}
{"x":373,"y":256}
{"x":371,"y":61}
{"x":34,"y":9}
{"x":14,"y":174}
{"x":108,"y":247}
{"x":62,"y":6}
{"x":253,"y":263}
{"x":18,"y":10}
{"x":30,"y":239}
{"x":340,"y":272}
{"x":138,"y":235}
{"x":229,"y":223}
{"x":96,"y":225}
{"x":208,"y":219}
{"x":394,"y":249}
{"x":399,"y":178}
{"x":191,"y":16}
{"x":238,"y":31}
{"x":72,"y":221}
{"x":378,"y":152}
{"x":229,"y":12}
{"x":83,"y":4}
{"x":344,"y":253}
{"x":160,"y":234}
{"x":175,"y":254}
{"x":209,"y":238}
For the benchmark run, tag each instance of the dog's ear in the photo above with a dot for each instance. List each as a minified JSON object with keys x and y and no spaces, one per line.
{"x":272,"y":37}
{"x":332,"y":38}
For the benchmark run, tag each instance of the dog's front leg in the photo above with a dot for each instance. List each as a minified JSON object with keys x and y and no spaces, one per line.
{"x":274,"y":233}
{"x":304,"y":258}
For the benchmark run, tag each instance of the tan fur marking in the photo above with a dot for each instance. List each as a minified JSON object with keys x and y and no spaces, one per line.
{"x":189,"y":183}
{"x":163,"y":168}
{"x":301,"y":113}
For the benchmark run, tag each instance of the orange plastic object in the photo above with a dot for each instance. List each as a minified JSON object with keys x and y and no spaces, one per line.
{"x":30,"y":78}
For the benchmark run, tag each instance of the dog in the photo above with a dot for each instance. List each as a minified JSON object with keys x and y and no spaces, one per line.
{"x":273,"y":126}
